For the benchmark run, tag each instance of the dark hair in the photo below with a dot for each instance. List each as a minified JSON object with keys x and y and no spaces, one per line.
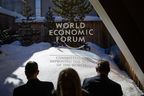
{"x":31,"y":67}
{"x":103,"y":67}
{"x":70,"y":75}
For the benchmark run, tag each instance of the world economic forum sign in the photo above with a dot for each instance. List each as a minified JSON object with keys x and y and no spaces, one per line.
{"x":71,"y":34}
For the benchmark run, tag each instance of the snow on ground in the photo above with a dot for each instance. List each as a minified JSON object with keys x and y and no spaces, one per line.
{"x":51,"y":61}
{"x":58,"y":18}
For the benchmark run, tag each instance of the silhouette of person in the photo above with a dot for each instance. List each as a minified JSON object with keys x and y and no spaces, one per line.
{"x":69,"y":84}
{"x":33,"y":87}
{"x":101,"y":85}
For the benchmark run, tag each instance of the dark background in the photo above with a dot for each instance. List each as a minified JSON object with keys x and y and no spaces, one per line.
{"x":128,"y":17}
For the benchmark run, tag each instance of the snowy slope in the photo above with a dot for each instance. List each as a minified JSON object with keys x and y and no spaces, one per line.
{"x":51,"y":61}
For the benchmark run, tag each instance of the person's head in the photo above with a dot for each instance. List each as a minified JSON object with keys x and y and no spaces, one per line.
{"x":103,"y":67}
{"x":68,"y":83}
{"x":31,"y":70}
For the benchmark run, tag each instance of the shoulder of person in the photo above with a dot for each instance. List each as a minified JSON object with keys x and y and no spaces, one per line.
{"x":117,"y":87}
{"x":47,"y":83}
{"x":115,"y":84}
{"x":20,"y":88}
{"x":91,"y":78}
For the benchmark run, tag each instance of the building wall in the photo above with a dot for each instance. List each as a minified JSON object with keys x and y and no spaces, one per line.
{"x":6,"y":21}
{"x":101,"y":35}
